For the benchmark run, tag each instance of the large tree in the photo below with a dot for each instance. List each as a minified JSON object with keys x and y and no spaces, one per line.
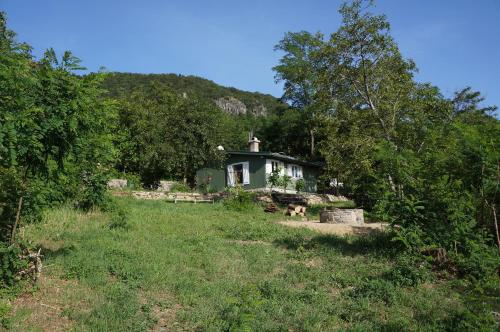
{"x":298,"y":73}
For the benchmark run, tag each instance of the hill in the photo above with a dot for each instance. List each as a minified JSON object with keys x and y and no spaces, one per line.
{"x":229,"y":99}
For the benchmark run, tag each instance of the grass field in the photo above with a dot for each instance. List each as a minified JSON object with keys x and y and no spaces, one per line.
{"x":202,"y":267}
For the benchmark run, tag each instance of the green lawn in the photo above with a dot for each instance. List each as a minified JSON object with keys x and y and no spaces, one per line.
{"x":202,"y":267}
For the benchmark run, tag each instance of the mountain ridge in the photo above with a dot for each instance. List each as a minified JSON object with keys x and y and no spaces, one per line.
{"x":229,"y":99}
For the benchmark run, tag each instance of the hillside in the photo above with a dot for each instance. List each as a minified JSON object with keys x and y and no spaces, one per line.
{"x":230,"y":99}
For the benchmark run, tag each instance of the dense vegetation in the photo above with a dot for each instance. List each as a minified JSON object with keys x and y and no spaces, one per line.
{"x":427,"y":164}
{"x":55,"y":133}
{"x":120,"y":85}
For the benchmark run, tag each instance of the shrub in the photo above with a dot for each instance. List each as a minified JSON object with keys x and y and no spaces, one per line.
{"x":239,"y":199}
{"x":274,"y":179}
{"x":180,"y":187}
{"x":10,"y":264}
{"x":300,"y":184}
{"x":118,"y":214}
{"x":94,"y":192}
{"x":285,"y":181}
{"x":410,"y":271}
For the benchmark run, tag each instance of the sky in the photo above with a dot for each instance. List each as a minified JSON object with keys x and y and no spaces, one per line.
{"x":455,"y":43}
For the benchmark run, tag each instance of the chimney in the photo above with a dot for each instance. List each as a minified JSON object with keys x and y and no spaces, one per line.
{"x":253,"y":144}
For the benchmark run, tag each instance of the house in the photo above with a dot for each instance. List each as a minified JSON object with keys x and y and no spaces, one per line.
{"x":251,"y":169}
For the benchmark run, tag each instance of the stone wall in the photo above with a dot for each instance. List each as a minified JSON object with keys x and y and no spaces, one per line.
{"x":342,"y":216}
{"x":117,"y":183}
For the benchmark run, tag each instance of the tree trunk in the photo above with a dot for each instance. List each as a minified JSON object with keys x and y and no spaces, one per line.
{"x":18,"y":216}
{"x":312,"y":141}
{"x":496,"y":224}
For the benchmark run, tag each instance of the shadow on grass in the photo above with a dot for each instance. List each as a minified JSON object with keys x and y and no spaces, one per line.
{"x":53,"y":251}
{"x":374,"y":244}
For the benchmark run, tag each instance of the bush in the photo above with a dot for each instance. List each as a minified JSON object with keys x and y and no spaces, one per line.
{"x":410,"y":271}
{"x":239,"y":199}
{"x":300,"y":184}
{"x":94,"y":192}
{"x":118,"y":214}
{"x":10,"y":264}
{"x":180,"y":187}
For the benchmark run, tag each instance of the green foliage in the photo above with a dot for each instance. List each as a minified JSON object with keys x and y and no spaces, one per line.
{"x":181,"y":187}
{"x":55,"y":129}
{"x":427,"y":164}
{"x":300,"y":184}
{"x":10,"y":264}
{"x":410,"y":270}
{"x":239,"y":199}
{"x":118,"y":213}
{"x":168,"y":136}
{"x":285,"y":181}
{"x":273,"y":179}
{"x":93,"y":192}
{"x":121,"y":85}
{"x":240,"y":312}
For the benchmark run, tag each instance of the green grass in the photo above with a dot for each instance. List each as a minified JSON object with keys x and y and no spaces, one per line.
{"x":202,"y":267}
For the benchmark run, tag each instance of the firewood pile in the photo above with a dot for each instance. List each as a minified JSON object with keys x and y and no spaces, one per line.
{"x":296,"y":210}
{"x":271,"y":207}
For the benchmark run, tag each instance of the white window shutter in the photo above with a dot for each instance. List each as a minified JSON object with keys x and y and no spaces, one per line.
{"x":246,"y":173}
{"x":230,"y":176}
{"x":269,"y":166}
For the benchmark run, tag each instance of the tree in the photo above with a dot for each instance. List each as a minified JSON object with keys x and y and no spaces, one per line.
{"x":54,"y":126}
{"x":297,"y":71}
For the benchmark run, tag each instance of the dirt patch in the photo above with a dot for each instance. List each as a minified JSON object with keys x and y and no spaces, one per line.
{"x":43,"y":309}
{"x":314,"y":262}
{"x":166,"y":318}
{"x":164,"y":309}
{"x":336,"y":229}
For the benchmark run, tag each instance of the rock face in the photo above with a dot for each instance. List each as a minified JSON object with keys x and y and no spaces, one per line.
{"x":342,"y":216}
{"x":231,"y":105}
{"x":235,"y":106}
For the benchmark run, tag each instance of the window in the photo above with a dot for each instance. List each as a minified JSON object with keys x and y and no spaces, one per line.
{"x":274,"y":166}
{"x":238,"y":174}
{"x":296,"y":171}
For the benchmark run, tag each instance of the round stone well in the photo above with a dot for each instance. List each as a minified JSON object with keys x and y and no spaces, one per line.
{"x":332,"y":215}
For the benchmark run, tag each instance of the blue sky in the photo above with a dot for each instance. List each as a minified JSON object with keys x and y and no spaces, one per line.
{"x":455,"y":43}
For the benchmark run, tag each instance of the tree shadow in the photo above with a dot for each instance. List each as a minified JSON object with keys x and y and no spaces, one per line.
{"x":53,"y":251}
{"x":366,"y":242}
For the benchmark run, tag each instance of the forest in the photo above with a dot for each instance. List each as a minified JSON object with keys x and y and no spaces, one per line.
{"x":426,"y":163}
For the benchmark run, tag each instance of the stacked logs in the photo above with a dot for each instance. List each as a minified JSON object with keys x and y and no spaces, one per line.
{"x":296,"y":210}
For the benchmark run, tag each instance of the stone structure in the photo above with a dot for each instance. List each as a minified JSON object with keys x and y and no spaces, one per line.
{"x":165,"y":185}
{"x":342,"y":216}
{"x":117,"y":184}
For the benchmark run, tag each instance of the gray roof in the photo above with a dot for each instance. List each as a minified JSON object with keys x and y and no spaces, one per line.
{"x":277,"y":156}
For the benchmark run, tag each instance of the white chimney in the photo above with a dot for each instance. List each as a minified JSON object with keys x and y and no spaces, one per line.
{"x":253,"y":144}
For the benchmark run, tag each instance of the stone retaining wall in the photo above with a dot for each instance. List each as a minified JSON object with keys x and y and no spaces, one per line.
{"x":342,"y":216}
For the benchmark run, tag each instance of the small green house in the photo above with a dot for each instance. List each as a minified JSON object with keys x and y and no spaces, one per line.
{"x":251,"y":169}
